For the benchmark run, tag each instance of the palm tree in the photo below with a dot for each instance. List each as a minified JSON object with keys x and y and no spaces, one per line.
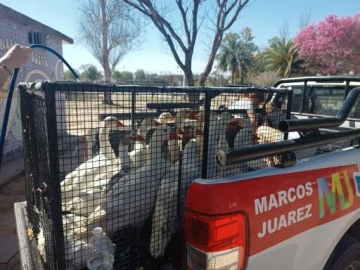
{"x":282,"y":56}
{"x":228,"y":55}
{"x":246,"y":51}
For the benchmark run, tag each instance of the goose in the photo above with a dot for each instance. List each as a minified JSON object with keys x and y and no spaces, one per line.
{"x":90,"y":197}
{"x":268,"y":134}
{"x":224,"y":121}
{"x":90,"y":170}
{"x":127,"y":142}
{"x":200,"y":117}
{"x":187,"y":132}
{"x":165,"y":118}
{"x":89,"y":142}
{"x":243,"y":138}
{"x":75,"y":225}
{"x":165,"y":219}
{"x":216,"y":139}
{"x":139,"y":155}
{"x":132,"y":198}
{"x":182,"y":116}
{"x":75,"y":250}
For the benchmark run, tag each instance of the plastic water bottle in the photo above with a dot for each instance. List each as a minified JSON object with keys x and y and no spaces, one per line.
{"x":100,"y":252}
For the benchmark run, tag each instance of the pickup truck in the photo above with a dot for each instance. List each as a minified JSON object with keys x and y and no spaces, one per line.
{"x":296,"y":214}
{"x":303,"y":216}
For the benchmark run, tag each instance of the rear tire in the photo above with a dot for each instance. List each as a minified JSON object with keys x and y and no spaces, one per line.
{"x":346,"y":255}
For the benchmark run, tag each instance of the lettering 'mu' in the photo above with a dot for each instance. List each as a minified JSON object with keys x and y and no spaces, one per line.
{"x":337,"y":187}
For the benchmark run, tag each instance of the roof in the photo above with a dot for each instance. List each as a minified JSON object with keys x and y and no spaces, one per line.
{"x":323,"y":79}
{"x":10,"y":14}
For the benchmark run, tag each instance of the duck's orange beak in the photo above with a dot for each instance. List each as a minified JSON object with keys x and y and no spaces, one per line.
{"x":199,"y":132}
{"x":174,"y":135}
{"x":233,"y":124}
{"x":120,"y":124}
{"x":140,"y":138}
{"x":193,"y":115}
{"x":200,"y":118}
{"x":156,"y":123}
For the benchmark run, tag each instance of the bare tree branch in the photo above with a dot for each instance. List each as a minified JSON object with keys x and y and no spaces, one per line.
{"x":183,"y":15}
{"x":184,"y":42}
{"x":284,"y":32}
{"x":305,"y":19}
{"x":109,"y":29}
{"x":222,"y":26}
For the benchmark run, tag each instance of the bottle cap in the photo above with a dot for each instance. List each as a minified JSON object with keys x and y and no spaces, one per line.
{"x":97,"y":230}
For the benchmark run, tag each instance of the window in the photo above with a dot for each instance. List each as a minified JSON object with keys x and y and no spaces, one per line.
{"x":325,"y":100}
{"x":36,"y":38}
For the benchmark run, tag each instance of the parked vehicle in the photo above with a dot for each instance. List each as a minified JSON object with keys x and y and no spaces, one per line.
{"x":302,"y":215}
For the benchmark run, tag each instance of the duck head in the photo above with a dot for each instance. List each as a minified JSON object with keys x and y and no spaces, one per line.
{"x":112,"y":122}
{"x":165,"y":117}
{"x":165,"y":133}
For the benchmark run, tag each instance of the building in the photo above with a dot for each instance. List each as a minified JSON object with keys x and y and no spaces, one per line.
{"x":43,"y":65}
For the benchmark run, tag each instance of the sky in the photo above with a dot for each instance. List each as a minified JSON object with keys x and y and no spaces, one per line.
{"x":264,"y":17}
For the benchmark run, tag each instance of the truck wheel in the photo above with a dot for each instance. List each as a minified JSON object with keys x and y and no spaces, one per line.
{"x":346,"y":255}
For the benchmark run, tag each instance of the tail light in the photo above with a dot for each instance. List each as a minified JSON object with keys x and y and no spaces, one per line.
{"x":215,"y":242}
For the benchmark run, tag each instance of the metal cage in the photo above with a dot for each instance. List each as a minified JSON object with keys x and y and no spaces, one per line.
{"x":126,"y":166}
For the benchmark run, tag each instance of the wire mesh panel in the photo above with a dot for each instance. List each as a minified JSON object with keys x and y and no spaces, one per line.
{"x":126,"y":167}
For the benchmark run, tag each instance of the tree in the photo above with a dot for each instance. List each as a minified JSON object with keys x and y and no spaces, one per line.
{"x":332,"y":46}
{"x":126,"y":76}
{"x":123,"y":76}
{"x":304,"y":20}
{"x":140,"y":75}
{"x":228,"y":55}
{"x":91,"y":73}
{"x":247,"y":48}
{"x":281,"y":56}
{"x":68,"y":76}
{"x":264,"y":79}
{"x":109,"y":29}
{"x":236,"y":54}
{"x":116,"y":75}
{"x":182,"y":39}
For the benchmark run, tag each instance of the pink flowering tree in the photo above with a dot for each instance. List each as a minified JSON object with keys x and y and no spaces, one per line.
{"x":332,"y":46}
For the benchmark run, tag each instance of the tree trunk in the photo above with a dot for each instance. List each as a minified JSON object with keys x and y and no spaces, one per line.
{"x":242,"y":76}
{"x":193,"y":97}
{"x":107,"y":76}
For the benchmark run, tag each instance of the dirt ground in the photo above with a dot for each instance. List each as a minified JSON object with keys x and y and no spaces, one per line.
{"x":11,"y":192}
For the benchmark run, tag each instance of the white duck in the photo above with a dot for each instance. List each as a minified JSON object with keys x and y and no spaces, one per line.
{"x":165,"y":220}
{"x":165,"y":118}
{"x":139,"y":155}
{"x":131,"y":200}
{"x":224,"y":120}
{"x":75,"y":252}
{"x":128,"y":140}
{"x":90,"y":171}
{"x":243,"y":138}
{"x":182,"y":116}
{"x":90,"y":198}
{"x":217,"y":129}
